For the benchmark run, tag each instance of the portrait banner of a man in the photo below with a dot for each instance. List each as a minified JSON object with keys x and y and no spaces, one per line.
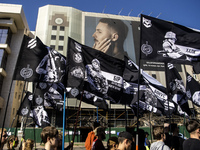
{"x":111,"y":35}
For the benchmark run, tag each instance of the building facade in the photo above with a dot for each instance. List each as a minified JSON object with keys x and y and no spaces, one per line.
{"x":13,"y":26}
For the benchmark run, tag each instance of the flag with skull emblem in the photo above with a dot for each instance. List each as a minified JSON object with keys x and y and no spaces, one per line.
{"x":49,"y":94}
{"x":26,"y":105}
{"x":93,"y":73}
{"x":193,"y":90}
{"x":168,"y":42}
{"x":177,"y":89}
{"x":39,"y":63}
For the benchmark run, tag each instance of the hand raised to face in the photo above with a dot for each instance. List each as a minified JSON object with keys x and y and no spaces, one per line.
{"x":102,"y":45}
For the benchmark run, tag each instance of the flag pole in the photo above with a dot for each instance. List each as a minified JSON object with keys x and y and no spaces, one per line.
{"x":97,"y":115}
{"x":138,"y":94}
{"x":63,"y":138}
{"x":72,"y":142}
{"x":167,"y":87}
{"x":66,"y":119}
{"x":17,"y":111}
{"x":109,"y":122}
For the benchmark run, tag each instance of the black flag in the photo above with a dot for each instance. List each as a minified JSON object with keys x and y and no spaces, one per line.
{"x":93,"y":71}
{"x":49,"y":94}
{"x":25,"y":107}
{"x":40,"y":116}
{"x":39,"y":63}
{"x":168,"y":42}
{"x":177,"y":89}
{"x":152,"y":95}
{"x":130,"y":87}
{"x":157,"y":98}
{"x":193,"y":90}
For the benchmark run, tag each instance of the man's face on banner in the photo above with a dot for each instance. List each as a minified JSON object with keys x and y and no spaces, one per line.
{"x":103,"y":31}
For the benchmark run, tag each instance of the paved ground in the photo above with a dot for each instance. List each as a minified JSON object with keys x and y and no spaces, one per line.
{"x":77,"y":146}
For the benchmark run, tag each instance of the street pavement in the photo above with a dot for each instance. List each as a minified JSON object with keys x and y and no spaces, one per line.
{"x":77,"y":146}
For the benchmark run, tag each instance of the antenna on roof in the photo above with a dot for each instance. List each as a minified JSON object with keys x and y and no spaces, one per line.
{"x":150,"y":14}
{"x":140,"y":13}
{"x":130,"y":12}
{"x":158,"y":15}
{"x":120,"y":11}
{"x":104,"y":9}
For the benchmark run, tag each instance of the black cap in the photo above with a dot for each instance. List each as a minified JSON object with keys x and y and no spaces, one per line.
{"x":126,"y":135}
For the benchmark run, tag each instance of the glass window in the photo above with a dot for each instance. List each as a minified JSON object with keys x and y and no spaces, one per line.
{"x":154,"y":76}
{"x":53,"y":37}
{"x":61,"y":38}
{"x":60,"y":48}
{"x":62,"y":28}
{"x":3,"y":58}
{"x":53,"y":46}
{"x":5,"y":35}
{"x":54,"y":27}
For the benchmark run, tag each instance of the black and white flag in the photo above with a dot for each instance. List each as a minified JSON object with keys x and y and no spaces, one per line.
{"x":193,"y":90}
{"x":93,"y":71}
{"x":26,"y":105}
{"x":156,"y":96}
{"x":50,"y":95}
{"x":130,"y":87}
{"x":37,"y":113}
{"x":39,"y":63}
{"x":168,"y":42}
{"x":176,"y":89}
{"x":40,"y":116}
{"x":152,"y":94}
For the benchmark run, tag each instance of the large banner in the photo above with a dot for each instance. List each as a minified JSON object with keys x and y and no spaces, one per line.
{"x":164,"y":41}
{"x":96,"y":74}
{"x":39,"y":63}
{"x":111,"y":35}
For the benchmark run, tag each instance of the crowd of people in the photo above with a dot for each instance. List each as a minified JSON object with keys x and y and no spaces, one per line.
{"x":166,"y":137}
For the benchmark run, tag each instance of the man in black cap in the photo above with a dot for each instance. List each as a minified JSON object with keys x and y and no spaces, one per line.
{"x":193,"y":143}
{"x":125,"y":140}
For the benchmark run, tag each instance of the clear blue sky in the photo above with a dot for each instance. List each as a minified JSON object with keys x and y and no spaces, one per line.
{"x":183,"y":12}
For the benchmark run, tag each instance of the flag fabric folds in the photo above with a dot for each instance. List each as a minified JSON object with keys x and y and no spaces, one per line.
{"x":93,"y":73}
{"x":152,"y":94}
{"x":49,"y":94}
{"x":176,"y":89}
{"x":37,"y":113}
{"x":168,"y":42}
{"x":193,"y":90}
{"x":26,"y":105}
{"x":39,"y":63}
{"x":40,"y":116}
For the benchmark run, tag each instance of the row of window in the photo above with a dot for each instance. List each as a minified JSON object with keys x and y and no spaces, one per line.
{"x":62,"y":28}
{"x":5,"y":35}
{"x":53,"y":37}
{"x":3,"y":58}
{"x":60,"y":48}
